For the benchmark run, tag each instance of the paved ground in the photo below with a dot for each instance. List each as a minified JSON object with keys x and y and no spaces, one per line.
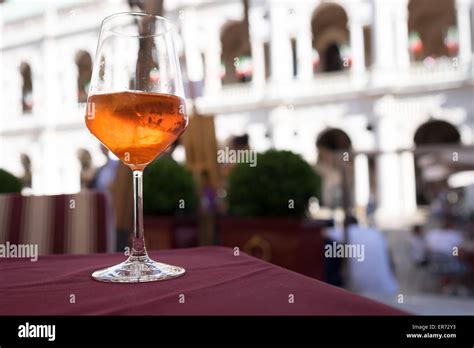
{"x":420,"y":290}
{"x":428,"y":304}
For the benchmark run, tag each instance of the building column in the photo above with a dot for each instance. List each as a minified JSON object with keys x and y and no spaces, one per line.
{"x":213,"y":83}
{"x":388,"y":185}
{"x":280,"y":44}
{"x":463,"y":15}
{"x":401,"y":30}
{"x":69,"y":81}
{"x":388,"y":169}
{"x":258,"y":62}
{"x":356,"y":31}
{"x":304,"y":45}
{"x":383,"y":35}
{"x":361,"y":180}
{"x":50,"y":180}
{"x":257,"y":46}
{"x":408,"y":182}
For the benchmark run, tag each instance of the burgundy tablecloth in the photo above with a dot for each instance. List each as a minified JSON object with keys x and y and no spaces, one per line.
{"x":216,"y":283}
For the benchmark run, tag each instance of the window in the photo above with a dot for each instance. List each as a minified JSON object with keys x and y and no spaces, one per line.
{"x":266,"y":53}
{"x":236,"y":54}
{"x":330,"y":38}
{"x":294,"y":57}
{"x":27,"y":88}
{"x":432,"y":28}
{"x":84,"y":67}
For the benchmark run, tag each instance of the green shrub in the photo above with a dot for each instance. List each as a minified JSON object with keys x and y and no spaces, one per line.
{"x":9,"y":183}
{"x":165,"y":184}
{"x":267,"y":188}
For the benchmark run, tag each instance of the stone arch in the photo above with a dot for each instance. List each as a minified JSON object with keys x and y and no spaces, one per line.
{"x":433,"y":132}
{"x":436,"y":132}
{"x":334,"y":139}
{"x":329,"y":29}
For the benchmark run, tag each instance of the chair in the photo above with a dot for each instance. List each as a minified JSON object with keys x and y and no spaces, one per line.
{"x":61,"y":224}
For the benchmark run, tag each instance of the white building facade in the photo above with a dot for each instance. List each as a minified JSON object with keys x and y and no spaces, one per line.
{"x":379,"y":98}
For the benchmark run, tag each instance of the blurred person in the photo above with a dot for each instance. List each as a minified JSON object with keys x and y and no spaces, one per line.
{"x":87,"y":170}
{"x":371,"y":209}
{"x":443,"y":240}
{"x":374,"y":272}
{"x":332,"y":180}
{"x":208,"y":207}
{"x":208,"y":194}
{"x":332,"y":266}
{"x":103,"y":179}
{"x":417,"y":276}
{"x":443,"y":261}
{"x":470,"y":228}
{"x":468,"y":245}
{"x":467,"y":252}
{"x":122,"y":203}
{"x":419,"y":249}
{"x":105,"y":175}
{"x":238,"y":142}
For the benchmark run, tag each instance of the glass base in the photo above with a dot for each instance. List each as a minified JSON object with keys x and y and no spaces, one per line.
{"x":138,"y":269}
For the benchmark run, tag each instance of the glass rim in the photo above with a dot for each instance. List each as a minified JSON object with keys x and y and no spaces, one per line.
{"x":168,"y":25}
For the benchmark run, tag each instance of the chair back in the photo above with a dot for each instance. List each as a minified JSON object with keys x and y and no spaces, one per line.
{"x":61,"y":224}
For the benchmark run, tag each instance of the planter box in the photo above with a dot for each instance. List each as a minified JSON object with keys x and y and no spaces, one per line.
{"x":295,"y":244}
{"x":169,"y":232}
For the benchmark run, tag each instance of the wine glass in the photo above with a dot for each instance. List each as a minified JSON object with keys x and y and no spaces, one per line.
{"x":136,"y":108}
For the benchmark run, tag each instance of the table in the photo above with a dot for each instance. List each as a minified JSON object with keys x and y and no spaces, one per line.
{"x":216,"y":283}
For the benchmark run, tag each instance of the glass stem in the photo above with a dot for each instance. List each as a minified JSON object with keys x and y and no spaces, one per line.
{"x":138,"y":244}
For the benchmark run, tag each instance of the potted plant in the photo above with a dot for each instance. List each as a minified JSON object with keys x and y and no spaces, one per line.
{"x":169,"y":204}
{"x":9,"y":183}
{"x":267,"y":212}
